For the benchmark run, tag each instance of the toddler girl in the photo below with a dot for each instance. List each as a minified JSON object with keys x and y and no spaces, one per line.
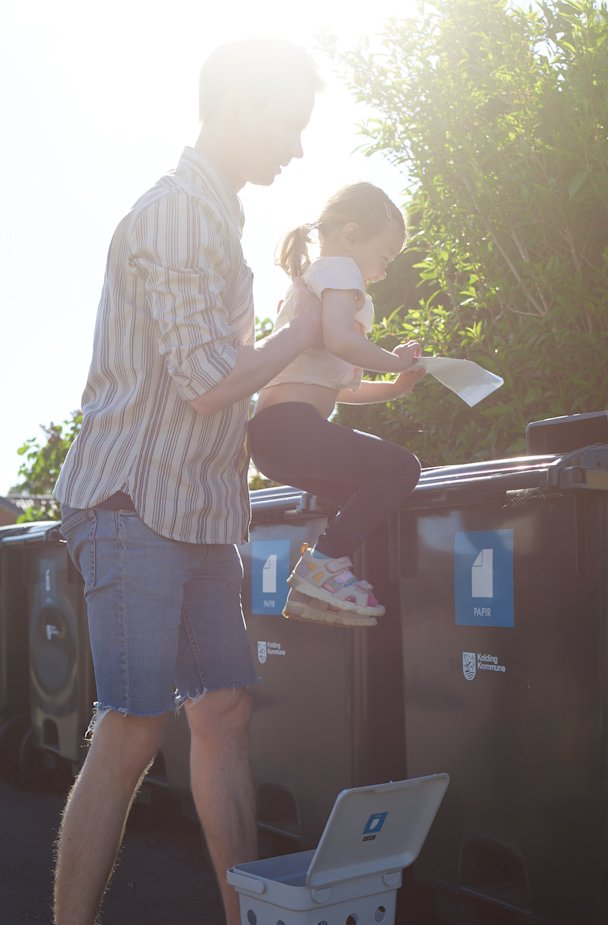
{"x":291,"y":440}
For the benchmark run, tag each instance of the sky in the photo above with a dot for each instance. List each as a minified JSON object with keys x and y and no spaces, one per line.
{"x":98,"y":102}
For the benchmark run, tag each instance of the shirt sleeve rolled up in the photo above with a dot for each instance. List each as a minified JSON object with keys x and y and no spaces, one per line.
{"x":179,"y":254}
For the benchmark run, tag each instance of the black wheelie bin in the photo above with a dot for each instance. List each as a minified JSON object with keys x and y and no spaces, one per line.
{"x":504,"y":607}
{"x":62,"y":688}
{"x":14,"y":656}
{"x":14,"y":683}
{"x":329,"y":706}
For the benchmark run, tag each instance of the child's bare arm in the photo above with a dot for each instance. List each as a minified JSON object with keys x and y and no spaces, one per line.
{"x":343,"y":336}
{"x":379,"y":391}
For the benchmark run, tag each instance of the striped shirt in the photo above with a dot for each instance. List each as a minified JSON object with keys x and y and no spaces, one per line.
{"x":176,"y":303}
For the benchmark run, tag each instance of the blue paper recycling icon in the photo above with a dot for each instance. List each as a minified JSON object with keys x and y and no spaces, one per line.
{"x":269,"y":571}
{"x":483,"y":578}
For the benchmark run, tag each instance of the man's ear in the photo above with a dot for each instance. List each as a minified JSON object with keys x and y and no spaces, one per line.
{"x":232,"y":105}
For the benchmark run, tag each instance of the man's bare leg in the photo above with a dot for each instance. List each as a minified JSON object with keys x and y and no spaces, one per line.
{"x":95,"y":815}
{"x":222,"y":783}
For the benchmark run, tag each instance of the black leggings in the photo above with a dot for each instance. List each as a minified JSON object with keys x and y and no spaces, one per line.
{"x":367,"y":477}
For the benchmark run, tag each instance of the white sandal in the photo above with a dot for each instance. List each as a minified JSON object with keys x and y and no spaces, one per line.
{"x":301,"y":607}
{"x":331,"y":581}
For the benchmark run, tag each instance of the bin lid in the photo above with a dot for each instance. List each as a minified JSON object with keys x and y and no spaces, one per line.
{"x":36,"y":531}
{"x":583,"y":469}
{"x":282,"y":502}
{"x":375,"y":829}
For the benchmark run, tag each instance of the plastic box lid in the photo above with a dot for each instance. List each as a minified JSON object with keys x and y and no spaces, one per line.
{"x":376,"y":829}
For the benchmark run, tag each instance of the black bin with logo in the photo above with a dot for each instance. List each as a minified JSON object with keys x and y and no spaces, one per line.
{"x":14,"y":681}
{"x":14,"y":655}
{"x":329,"y":706}
{"x":62,"y":688}
{"x":504,"y":608}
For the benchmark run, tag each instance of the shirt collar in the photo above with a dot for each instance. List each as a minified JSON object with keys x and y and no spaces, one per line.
{"x":204,"y":173}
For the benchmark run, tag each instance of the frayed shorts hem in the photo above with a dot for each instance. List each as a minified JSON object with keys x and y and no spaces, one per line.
{"x":100,"y":710}
{"x":180,"y":700}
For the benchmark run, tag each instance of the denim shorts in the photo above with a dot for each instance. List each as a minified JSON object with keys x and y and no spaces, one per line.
{"x":165,"y":617}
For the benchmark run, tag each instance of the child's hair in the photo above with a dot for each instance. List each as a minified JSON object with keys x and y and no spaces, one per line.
{"x":362,"y":203}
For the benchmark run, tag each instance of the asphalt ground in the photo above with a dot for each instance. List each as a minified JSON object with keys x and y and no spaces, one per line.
{"x":163,"y":876}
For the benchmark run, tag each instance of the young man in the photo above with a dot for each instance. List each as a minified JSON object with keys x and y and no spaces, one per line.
{"x":154,"y":492}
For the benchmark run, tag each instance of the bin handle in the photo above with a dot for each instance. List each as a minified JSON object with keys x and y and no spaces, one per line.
{"x":245,"y":882}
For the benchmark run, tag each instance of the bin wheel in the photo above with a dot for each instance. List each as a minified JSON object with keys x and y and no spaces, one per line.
{"x":41,"y":770}
{"x":28,"y":763}
{"x":12,"y":733}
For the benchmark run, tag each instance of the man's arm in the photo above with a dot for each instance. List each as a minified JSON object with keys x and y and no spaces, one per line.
{"x":256,"y":366}
{"x":181,"y":269}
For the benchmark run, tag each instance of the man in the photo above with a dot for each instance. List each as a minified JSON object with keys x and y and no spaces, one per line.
{"x":154,"y":492}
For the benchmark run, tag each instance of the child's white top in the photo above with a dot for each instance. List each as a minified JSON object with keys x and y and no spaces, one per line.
{"x":320,"y":367}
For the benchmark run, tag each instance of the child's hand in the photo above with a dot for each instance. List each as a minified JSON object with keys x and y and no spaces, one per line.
{"x":409,"y":379}
{"x":408,"y":353}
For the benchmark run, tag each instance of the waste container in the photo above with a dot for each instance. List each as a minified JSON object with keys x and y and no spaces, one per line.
{"x":504,"y":607}
{"x":62,"y":688}
{"x":328,"y":711}
{"x":371,"y":835}
{"x":14,"y":682}
{"x":15,"y":722}
{"x":14,"y":673}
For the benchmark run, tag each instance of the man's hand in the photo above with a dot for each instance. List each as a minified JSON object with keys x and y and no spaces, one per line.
{"x":307,"y":312}
{"x":257,"y":365}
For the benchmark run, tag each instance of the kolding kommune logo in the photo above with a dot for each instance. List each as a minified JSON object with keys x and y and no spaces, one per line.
{"x":266,"y":649}
{"x":373,"y":825}
{"x":472,"y":662}
{"x":469,"y":665}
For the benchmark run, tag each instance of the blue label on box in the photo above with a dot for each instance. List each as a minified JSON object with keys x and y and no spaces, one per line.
{"x":374,"y":823}
{"x":269,"y":571}
{"x":483,"y":578}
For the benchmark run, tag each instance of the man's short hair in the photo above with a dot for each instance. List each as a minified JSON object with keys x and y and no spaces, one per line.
{"x":258,"y":65}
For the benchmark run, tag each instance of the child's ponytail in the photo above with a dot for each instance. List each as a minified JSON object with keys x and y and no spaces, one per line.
{"x":363,"y":204}
{"x":293,"y":254}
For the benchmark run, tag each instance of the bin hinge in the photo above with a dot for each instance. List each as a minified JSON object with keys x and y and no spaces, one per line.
{"x":584,"y":468}
{"x":578,"y":477}
{"x":309,"y":504}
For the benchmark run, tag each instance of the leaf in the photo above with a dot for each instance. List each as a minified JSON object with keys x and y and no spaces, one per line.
{"x":576,"y":183}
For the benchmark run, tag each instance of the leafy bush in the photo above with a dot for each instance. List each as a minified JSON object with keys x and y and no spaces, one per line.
{"x":499,"y":118}
{"x":40,"y":467}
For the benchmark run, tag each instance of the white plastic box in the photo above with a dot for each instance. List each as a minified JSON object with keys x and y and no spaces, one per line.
{"x":353,"y":876}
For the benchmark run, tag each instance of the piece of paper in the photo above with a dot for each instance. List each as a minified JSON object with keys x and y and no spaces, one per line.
{"x":467,"y":379}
